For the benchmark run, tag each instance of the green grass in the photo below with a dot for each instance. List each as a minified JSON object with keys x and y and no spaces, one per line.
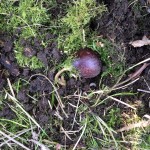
{"x":95,"y":133}
{"x":98,"y":134}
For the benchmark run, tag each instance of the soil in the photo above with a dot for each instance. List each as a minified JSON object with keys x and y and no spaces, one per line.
{"x":121,"y":24}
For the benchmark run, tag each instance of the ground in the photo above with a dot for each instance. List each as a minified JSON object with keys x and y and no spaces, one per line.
{"x":86,"y":113}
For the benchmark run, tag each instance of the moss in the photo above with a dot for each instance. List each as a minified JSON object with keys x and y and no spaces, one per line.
{"x":24,"y":19}
{"x":75,"y":25}
{"x":26,"y":16}
{"x":23,"y":61}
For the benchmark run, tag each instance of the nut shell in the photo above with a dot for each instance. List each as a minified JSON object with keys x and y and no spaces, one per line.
{"x":88,"y":63}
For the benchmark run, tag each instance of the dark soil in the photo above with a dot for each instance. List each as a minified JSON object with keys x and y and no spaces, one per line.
{"x":122,"y":24}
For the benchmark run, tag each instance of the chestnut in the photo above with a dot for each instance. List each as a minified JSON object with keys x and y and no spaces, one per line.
{"x":87,"y":63}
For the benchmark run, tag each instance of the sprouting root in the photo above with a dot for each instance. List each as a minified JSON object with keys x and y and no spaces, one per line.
{"x":60,"y":78}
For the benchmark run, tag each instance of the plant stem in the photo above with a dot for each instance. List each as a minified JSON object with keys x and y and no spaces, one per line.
{"x":61,"y":80}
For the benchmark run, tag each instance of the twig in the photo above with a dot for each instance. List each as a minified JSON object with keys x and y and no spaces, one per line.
{"x":145,"y":91}
{"x":74,"y":119}
{"x":142,"y":62}
{"x":136,"y":74}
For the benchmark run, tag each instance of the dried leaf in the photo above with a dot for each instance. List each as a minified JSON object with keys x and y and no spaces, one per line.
{"x":140,"y":43}
{"x":140,"y":124}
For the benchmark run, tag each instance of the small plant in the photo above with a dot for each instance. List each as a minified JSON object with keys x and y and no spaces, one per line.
{"x":73,"y":36}
{"x":87,"y":63}
{"x":102,"y":53}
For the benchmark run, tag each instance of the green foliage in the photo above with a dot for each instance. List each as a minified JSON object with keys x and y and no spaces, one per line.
{"x":23,"y":61}
{"x":75,"y":25}
{"x":25,"y":15}
{"x":114,"y":117}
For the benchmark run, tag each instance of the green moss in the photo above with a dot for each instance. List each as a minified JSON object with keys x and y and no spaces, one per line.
{"x":114,"y":117}
{"x":75,"y":25}
{"x":23,"y":61}
{"x":26,"y":16}
{"x":112,"y":59}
